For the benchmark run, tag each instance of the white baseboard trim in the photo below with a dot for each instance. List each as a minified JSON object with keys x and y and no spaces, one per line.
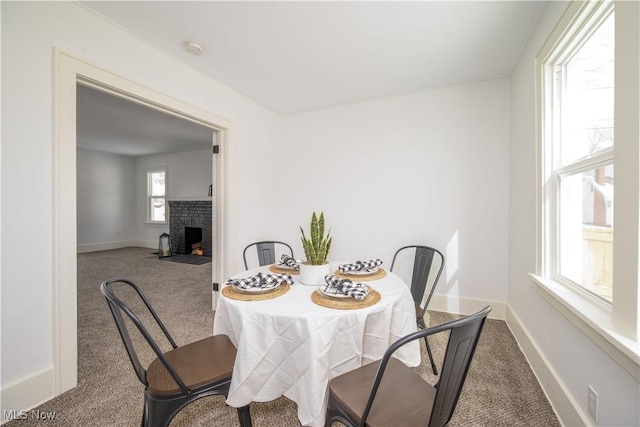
{"x":119,"y":244}
{"x":105,"y":246}
{"x":466,"y":306}
{"x":28,"y":393}
{"x":566,"y":408}
{"x":146,"y":244}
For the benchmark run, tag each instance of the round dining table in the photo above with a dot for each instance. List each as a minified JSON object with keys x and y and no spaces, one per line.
{"x":291,"y":346}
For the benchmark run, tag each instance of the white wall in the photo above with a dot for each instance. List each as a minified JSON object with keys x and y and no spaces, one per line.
{"x":564,"y":350}
{"x":189,"y":176}
{"x":30,"y":32}
{"x":429,"y":168}
{"x":106,"y":198}
{"x":112,"y":192}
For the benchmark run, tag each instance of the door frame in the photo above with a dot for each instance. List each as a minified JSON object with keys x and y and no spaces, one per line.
{"x":70,"y":71}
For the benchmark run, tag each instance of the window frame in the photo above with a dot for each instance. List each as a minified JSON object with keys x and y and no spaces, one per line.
{"x":614,"y":327}
{"x":150,"y":197}
{"x":554,"y":168}
{"x":554,"y":247}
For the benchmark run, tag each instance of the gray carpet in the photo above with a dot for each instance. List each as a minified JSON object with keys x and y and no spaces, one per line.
{"x":500,"y":389}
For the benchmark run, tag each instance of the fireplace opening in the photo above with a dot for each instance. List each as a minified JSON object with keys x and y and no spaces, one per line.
{"x":193,"y":240}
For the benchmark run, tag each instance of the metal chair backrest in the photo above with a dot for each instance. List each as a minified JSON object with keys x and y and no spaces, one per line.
{"x":117,"y":308}
{"x":266,"y":251}
{"x":423,"y":260}
{"x":463,"y":339}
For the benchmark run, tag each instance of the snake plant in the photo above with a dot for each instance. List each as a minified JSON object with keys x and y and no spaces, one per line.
{"x":316,"y":248}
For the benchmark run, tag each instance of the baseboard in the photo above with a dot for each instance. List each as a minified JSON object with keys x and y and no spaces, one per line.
{"x":566,"y":408}
{"x":105,"y":246}
{"x":119,"y":244}
{"x":458,"y":305}
{"x":151,"y":244}
{"x":25,"y":394}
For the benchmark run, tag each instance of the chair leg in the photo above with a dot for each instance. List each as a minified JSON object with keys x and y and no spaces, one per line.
{"x":433,"y":364}
{"x":160,"y":412}
{"x":335,"y":413}
{"x":244,"y":416}
{"x":329,"y":418}
{"x":145,"y":411}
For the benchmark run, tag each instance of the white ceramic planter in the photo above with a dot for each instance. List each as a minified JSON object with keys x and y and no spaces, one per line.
{"x":313,"y":275}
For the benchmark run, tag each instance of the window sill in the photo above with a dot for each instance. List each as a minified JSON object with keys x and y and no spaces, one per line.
{"x":594,"y":320}
{"x":164,"y":224}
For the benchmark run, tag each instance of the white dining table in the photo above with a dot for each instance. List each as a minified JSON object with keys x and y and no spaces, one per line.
{"x":290,"y":346}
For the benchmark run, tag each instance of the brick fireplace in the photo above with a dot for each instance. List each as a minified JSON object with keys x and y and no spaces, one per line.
{"x":184,"y":217}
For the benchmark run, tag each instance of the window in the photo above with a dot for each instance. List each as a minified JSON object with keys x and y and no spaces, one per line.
{"x":587,"y":77}
{"x":580,"y":157}
{"x":157,"y":195}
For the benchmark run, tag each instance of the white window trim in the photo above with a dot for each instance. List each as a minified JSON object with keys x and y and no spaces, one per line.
{"x":147,"y":201}
{"x":614,"y":328}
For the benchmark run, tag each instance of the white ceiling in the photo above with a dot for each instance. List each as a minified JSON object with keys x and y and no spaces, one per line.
{"x":114,"y":125}
{"x":294,"y":56}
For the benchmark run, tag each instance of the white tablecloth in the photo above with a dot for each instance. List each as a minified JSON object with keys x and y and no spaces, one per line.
{"x":290,"y":346}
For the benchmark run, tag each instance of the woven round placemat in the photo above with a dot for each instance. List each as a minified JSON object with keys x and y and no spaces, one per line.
{"x":230,"y":292}
{"x":364,"y":278}
{"x":275,"y":269}
{"x":346,"y":303}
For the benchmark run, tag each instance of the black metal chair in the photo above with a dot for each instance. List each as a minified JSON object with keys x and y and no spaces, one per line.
{"x":266,"y":251}
{"x":388,"y":393}
{"x":420,"y":261}
{"x":179,"y":376}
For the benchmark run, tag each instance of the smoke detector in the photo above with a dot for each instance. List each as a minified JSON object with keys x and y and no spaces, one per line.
{"x":194,"y":47}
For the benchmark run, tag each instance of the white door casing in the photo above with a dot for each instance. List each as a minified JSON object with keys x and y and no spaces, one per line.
{"x":70,"y":71}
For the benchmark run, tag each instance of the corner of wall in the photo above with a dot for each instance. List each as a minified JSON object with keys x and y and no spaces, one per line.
{"x":460,"y":305}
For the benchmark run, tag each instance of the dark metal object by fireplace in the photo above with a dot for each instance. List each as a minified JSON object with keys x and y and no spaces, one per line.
{"x":164,"y":246}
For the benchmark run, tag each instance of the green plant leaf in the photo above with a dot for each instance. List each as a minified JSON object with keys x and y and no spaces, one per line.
{"x":321,"y":225}
{"x":316,"y":247}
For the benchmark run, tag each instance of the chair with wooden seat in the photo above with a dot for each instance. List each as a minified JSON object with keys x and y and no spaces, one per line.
{"x":180,"y":376}
{"x":424,"y":265}
{"x":388,"y":393}
{"x":266,"y":252}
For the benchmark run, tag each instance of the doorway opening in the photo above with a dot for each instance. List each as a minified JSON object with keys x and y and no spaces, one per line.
{"x":70,"y":72}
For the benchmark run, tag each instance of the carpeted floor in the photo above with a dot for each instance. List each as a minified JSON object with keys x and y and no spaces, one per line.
{"x":500,"y":389}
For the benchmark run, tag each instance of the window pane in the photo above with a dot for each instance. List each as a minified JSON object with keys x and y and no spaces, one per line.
{"x":157,"y":212}
{"x":587,"y":99}
{"x":586,"y":230}
{"x":157,"y":183}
